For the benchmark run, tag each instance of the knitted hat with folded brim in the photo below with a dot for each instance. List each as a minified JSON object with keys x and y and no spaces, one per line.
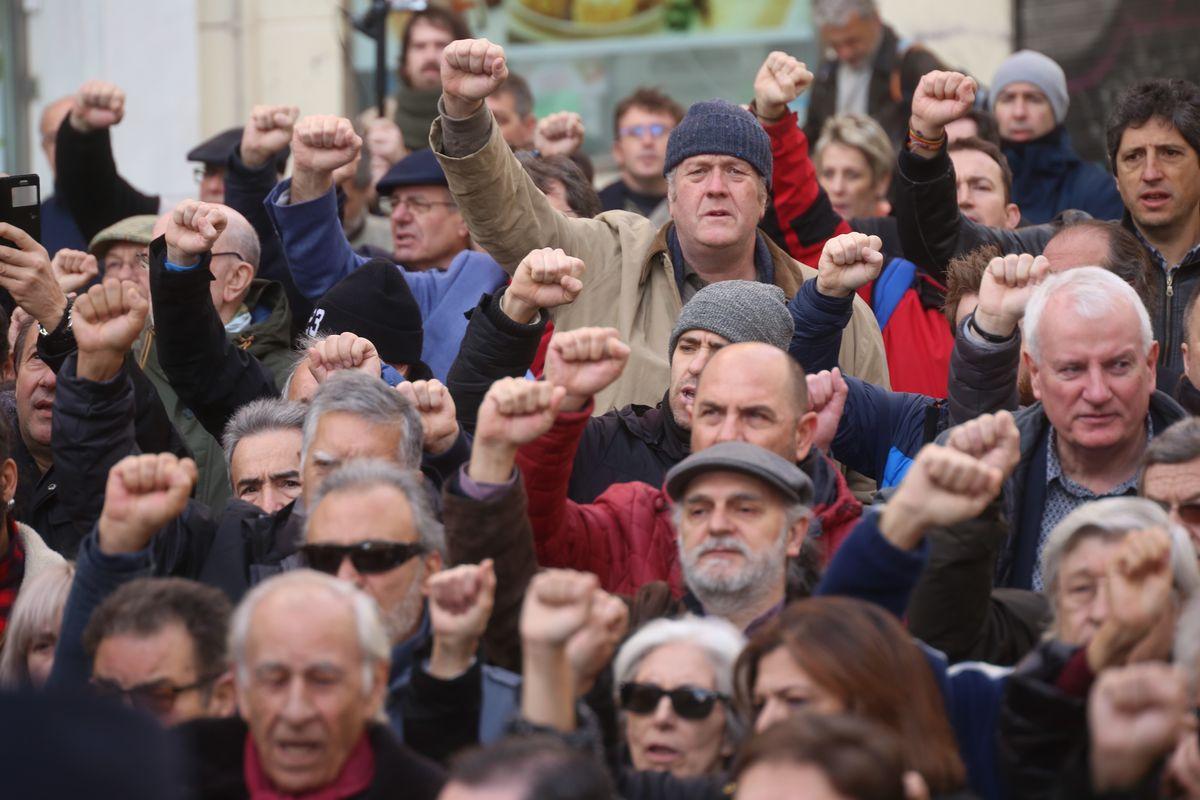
{"x":374,"y":302}
{"x":718,"y":127}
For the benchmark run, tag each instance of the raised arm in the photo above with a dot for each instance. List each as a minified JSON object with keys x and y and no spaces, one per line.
{"x":86,"y":173}
{"x":212,"y":376}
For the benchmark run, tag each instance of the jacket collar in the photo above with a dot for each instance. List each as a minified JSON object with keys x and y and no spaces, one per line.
{"x":406,"y":653}
{"x":787,"y":275}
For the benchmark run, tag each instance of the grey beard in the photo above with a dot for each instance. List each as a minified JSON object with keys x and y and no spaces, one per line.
{"x":722,"y":594}
{"x":403,"y":618}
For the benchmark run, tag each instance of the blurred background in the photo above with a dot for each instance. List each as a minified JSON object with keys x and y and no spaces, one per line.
{"x":194,"y":67}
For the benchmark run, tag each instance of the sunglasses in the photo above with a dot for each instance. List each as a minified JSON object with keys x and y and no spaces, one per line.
{"x":1188,"y":512}
{"x":367,"y":557}
{"x":689,"y":702}
{"x":156,"y":697}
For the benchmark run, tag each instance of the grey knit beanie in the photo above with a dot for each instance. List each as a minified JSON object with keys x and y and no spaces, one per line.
{"x":717,"y":127}
{"x":1030,"y":66}
{"x":741,"y":311}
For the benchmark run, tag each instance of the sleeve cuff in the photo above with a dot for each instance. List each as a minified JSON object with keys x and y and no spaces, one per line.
{"x":478,"y":490}
{"x":923,"y":170}
{"x":171,"y":266}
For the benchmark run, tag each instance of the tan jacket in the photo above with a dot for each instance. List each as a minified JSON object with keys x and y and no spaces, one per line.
{"x":629,"y":283}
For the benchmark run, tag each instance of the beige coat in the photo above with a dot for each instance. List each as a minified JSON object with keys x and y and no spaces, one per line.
{"x":629,"y":283}
{"x":38,"y":555}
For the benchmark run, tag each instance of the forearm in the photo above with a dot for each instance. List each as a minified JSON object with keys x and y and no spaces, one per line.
{"x":314,"y":243}
{"x":548,"y":690}
{"x":983,"y":376}
{"x":869,"y":567}
{"x":819,"y":322}
{"x":89,"y":184}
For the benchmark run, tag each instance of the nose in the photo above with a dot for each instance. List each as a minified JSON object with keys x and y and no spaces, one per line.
{"x":213,"y":185}
{"x":346,"y":572}
{"x":272,"y":500}
{"x":664,"y":715}
{"x":836,"y":185}
{"x":1151,"y":171}
{"x":401,"y":215}
{"x":48,"y":380}
{"x":297,"y":707}
{"x":719,"y":523}
{"x":1098,"y":610}
{"x":964,"y":195}
{"x":729,"y":430}
{"x":715,"y":183}
{"x":696,"y":365}
{"x":1096,"y":391}
{"x":772,"y":711}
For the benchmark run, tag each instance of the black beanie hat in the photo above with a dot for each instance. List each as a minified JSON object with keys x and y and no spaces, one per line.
{"x":375,"y":302}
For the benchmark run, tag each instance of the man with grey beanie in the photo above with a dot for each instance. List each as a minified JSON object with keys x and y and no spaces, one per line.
{"x":718,"y":168}
{"x":1030,"y":100}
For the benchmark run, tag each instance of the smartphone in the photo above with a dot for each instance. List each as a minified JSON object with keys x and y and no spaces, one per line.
{"x":21,"y":205}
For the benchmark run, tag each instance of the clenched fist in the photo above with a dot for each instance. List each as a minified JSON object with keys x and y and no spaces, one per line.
{"x":942,"y":487}
{"x":471,"y":70}
{"x":941,"y":98}
{"x":849,"y":262}
{"x":192,"y":230}
{"x":1008,"y":282}
{"x":73,"y":269}
{"x":267,"y":133}
{"x":433,"y":402}
{"x":559,"y":134}
{"x":98,"y":105}
{"x":545,"y":278}
{"x":343,"y":351}
{"x":320,"y":144}
{"x":143,"y":494}
{"x":585,"y":361}
{"x":780,"y":80}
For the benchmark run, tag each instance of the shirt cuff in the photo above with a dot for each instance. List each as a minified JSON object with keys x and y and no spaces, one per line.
{"x":478,"y":490}
{"x":171,"y":266}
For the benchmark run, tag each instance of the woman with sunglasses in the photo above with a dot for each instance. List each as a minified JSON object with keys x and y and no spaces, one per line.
{"x":674,"y":689}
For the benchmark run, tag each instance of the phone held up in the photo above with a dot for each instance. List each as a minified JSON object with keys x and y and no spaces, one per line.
{"x":21,"y":205}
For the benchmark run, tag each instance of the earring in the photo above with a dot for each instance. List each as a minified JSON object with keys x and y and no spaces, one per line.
{"x":9,"y":505}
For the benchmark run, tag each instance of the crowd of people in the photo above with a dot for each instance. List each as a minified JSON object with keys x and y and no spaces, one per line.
{"x":846,"y":461}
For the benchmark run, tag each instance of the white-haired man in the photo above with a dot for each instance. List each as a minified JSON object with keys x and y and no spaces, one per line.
{"x":1091,"y":357}
{"x":310,"y":656}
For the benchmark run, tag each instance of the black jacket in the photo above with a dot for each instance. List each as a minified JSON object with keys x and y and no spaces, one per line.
{"x":895,"y":73}
{"x":1169,"y":296}
{"x":211,"y":374}
{"x":216,"y":748}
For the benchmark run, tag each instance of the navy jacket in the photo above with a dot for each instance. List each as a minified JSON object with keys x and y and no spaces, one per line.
{"x":1049,"y":177}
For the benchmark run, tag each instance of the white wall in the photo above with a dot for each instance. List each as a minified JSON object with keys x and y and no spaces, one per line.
{"x":149,"y":48}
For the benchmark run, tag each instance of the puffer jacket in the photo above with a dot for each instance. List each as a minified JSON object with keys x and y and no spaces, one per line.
{"x":629,"y":283}
{"x":626,"y":536}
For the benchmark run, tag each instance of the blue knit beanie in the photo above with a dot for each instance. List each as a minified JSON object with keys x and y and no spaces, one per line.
{"x":717,"y":127}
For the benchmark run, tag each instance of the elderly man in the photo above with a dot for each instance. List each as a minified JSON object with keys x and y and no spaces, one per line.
{"x":865,"y":67}
{"x":310,"y":656}
{"x":371,"y":525}
{"x":262,"y":445}
{"x":719,"y":167}
{"x":430,"y":237}
{"x":1170,"y":475}
{"x":1030,"y":100}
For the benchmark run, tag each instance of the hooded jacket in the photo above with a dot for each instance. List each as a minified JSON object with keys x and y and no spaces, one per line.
{"x":1049,"y":177}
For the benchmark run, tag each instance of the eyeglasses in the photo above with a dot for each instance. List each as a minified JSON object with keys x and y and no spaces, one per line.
{"x":417,"y":205}
{"x":689,"y":702}
{"x":157,"y":697}
{"x":141,"y":260}
{"x":207,"y":171}
{"x":656,"y":130}
{"x":229,"y":253}
{"x":1188,"y":512}
{"x":368,"y":558}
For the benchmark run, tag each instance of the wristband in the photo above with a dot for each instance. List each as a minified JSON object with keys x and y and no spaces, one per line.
{"x":64,"y":324}
{"x":918,"y":142}
{"x":987,"y":337}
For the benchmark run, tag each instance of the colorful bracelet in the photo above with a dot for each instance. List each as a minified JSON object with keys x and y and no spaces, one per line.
{"x":916,"y":140}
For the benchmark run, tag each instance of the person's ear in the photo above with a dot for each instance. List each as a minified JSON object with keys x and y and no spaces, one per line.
{"x":222,"y":701}
{"x":1012,"y":216}
{"x":8,"y":480}
{"x":1035,"y":374}
{"x":238,"y":281}
{"x":797,"y":534}
{"x":806,"y":429}
{"x":433,"y":563}
{"x":1152,"y":363}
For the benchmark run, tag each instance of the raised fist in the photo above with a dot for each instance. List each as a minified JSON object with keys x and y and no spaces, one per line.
{"x":385,"y":145}
{"x":558,"y":604}
{"x":460,"y":605}
{"x":192,"y":230}
{"x":827,"y":393}
{"x":780,"y":80}
{"x":1139,"y":581}
{"x":109,"y":318}
{"x":849,"y":262}
{"x":515,"y":412}
{"x":343,"y":351}
{"x":545,"y":278}
{"x":1008,"y":283}
{"x":941,"y":487}
{"x":143,"y":494}
{"x":433,"y":402}
{"x":98,"y":105}
{"x":322,"y":143}
{"x":941,"y":98}
{"x":267,"y":133}
{"x":559,"y":134}
{"x":1136,"y":715}
{"x":73,"y":269}
{"x":991,"y":438}
{"x":584,"y":361}
{"x":471,"y":70}
{"x":591,"y":649}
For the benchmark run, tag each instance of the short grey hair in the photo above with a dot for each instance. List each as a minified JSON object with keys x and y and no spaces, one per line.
{"x":1095,"y":291}
{"x":363,"y":474}
{"x":260,"y":416}
{"x":39,"y":603}
{"x":718,"y":639}
{"x":1111,"y":518}
{"x":826,"y":13}
{"x":368,"y":622}
{"x":367,"y":397}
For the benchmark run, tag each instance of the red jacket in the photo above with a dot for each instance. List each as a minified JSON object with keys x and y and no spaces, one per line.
{"x":626,"y":536}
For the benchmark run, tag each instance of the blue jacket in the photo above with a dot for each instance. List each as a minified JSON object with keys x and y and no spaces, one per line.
{"x":319,"y":256}
{"x":1049,"y":177}
{"x":880,"y":431}
{"x":868,"y":567}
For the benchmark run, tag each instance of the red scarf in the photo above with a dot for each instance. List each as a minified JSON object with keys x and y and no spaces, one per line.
{"x":355,"y":777}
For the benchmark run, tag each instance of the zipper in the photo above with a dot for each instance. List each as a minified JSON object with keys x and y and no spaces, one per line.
{"x":1165,"y":353}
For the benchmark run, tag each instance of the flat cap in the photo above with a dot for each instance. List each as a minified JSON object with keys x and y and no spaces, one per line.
{"x":136,"y":230}
{"x":418,"y":169}
{"x":781,"y":474}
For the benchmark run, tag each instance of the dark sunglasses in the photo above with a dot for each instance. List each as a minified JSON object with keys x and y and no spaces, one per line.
{"x":367,"y":557}
{"x":688,"y":701}
{"x":1188,"y":512}
{"x":156,"y":697}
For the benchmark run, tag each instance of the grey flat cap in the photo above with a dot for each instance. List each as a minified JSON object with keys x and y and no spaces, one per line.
{"x":788,"y":479}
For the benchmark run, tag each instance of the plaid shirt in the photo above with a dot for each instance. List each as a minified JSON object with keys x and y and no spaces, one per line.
{"x":12,"y":572}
